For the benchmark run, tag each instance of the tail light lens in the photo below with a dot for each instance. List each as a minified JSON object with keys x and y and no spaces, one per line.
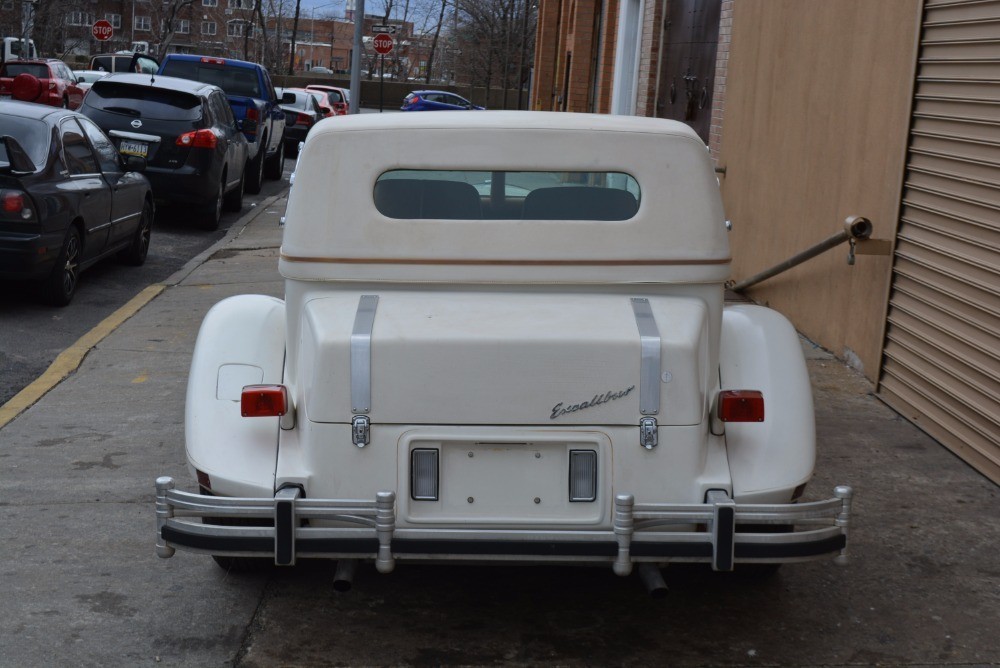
{"x":252,"y":114}
{"x":582,"y":475}
{"x":340,"y":108}
{"x":198,"y":139}
{"x":16,"y":205}
{"x":264,"y":401}
{"x":424,"y":474}
{"x":741,"y":406}
{"x":414,"y":100}
{"x":303,"y":119}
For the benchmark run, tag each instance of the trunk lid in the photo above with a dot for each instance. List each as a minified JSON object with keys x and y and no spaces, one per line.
{"x":512,"y":359}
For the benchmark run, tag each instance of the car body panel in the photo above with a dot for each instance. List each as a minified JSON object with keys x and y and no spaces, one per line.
{"x":57,"y":85}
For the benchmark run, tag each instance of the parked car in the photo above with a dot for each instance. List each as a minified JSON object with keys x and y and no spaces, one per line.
{"x":325,"y":109}
{"x":321,"y":70}
{"x":186,"y":132}
{"x":255,"y":104}
{"x":338,"y":98}
{"x":125,"y":61}
{"x":45,"y":81}
{"x":436,"y":100}
{"x":302,"y":112}
{"x":548,"y":374}
{"x":86,"y":78}
{"x":15,"y":48}
{"x":67,"y":199}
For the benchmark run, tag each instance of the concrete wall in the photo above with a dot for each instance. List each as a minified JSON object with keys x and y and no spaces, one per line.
{"x":817,"y":100}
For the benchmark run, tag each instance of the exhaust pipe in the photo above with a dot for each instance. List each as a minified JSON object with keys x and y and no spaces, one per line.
{"x":344,"y":577}
{"x":653,"y":580}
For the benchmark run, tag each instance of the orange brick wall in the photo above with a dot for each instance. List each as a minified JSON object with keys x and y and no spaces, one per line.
{"x":721,"y":70}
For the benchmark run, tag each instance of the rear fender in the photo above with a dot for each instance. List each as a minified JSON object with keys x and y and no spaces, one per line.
{"x":760,"y":350}
{"x":241,"y":342}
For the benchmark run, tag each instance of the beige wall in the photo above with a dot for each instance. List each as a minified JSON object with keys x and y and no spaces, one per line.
{"x":817,"y":104}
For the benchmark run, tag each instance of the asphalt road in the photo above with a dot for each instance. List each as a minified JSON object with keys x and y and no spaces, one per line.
{"x":33,"y":334}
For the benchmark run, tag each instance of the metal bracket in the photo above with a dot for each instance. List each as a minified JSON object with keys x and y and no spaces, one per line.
{"x":648,"y":437}
{"x":361,"y":430}
{"x":723,"y":529}
{"x":649,"y":363}
{"x":361,"y":354}
{"x":284,"y":525}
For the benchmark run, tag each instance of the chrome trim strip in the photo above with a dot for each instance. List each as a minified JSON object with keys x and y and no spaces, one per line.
{"x":361,"y":354}
{"x":138,"y":136}
{"x":649,"y":369}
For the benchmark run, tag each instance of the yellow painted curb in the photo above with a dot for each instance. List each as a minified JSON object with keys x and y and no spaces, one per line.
{"x":69,"y":360}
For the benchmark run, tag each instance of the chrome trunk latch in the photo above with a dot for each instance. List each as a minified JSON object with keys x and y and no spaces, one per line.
{"x":360,"y":430}
{"x":648,"y":433}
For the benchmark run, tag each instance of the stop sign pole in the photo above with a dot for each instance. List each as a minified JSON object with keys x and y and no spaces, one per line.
{"x":383,"y":43}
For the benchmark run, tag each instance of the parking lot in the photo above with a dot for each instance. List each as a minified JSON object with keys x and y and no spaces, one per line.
{"x":82,"y":586}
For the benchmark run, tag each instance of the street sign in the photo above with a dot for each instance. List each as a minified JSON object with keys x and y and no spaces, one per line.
{"x":383,"y":43}
{"x":376,"y":29}
{"x":102,"y":30}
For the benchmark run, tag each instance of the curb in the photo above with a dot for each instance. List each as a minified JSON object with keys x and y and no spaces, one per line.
{"x":70,"y":359}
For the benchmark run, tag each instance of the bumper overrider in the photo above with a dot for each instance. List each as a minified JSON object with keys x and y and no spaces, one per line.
{"x":641,"y":532}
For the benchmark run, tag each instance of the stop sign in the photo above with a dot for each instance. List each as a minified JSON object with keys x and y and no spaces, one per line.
{"x":383,"y":43}
{"x":102,"y":30}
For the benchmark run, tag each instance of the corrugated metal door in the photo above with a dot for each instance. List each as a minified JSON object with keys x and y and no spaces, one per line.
{"x":941,"y":364}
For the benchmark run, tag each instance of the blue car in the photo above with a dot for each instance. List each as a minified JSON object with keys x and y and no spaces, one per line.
{"x":436,"y":100}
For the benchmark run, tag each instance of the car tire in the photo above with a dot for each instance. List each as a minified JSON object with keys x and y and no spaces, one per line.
{"x":135,"y":254}
{"x":234,"y":199}
{"x":276,"y":163}
{"x":212,"y":215}
{"x":61,"y":284}
{"x":255,"y":169}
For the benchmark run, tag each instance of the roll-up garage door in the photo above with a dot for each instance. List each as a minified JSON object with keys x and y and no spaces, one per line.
{"x":941,"y":363}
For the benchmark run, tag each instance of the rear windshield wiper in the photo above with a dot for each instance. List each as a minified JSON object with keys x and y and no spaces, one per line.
{"x":124,"y":110}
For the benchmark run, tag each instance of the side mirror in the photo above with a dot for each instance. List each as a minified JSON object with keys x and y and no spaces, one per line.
{"x":134,"y":163}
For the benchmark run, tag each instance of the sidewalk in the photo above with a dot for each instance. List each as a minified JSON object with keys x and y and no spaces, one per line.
{"x":81,"y":584}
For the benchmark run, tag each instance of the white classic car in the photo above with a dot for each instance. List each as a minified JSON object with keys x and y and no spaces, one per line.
{"x":503,"y":338}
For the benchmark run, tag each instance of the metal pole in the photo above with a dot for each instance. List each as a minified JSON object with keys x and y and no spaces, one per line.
{"x":855,"y":228}
{"x":381,"y":81}
{"x":357,"y":52}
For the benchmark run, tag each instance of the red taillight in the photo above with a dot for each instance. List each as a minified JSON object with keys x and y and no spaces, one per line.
{"x":215,"y":61}
{"x":340,"y":108}
{"x":264,"y":401}
{"x":198,"y":139}
{"x":415,"y":100}
{"x":303,"y":119}
{"x":741,"y":406}
{"x":252,"y":114}
{"x":15,"y":205}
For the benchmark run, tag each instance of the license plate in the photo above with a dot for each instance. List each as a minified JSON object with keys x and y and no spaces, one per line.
{"x":133,"y":148}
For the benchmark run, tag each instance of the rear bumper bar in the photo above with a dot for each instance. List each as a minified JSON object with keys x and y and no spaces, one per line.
{"x":640,"y":533}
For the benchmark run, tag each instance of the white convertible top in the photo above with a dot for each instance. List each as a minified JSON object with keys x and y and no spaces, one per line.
{"x":335,"y":232}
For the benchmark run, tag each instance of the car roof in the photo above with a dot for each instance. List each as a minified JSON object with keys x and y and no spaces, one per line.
{"x":41,"y":112}
{"x":160,"y":81}
{"x":443,"y":92}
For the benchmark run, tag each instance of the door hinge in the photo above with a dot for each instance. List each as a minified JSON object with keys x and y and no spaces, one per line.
{"x":360,"y":430}
{"x":648,"y":433}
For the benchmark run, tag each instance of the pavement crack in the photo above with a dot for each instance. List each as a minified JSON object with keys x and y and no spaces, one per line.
{"x":255,"y":624}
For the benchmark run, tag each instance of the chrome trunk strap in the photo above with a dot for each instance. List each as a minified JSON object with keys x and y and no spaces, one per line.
{"x":361,"y":355}
{"x":649,"y":369}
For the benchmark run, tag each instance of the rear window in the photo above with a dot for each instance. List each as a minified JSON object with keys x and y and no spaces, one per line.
{"x":33,"y":136}
{"x":233,"y":80}
{"x":34,"y":69}
{"x":143,"y":101}
{"x":506,"y":195}
{"x":302,"y":101}
{"x":334,"y":96}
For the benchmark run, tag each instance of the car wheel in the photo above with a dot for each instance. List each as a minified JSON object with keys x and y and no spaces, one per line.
{"x":213,"y":214}
{"x":255,"y":177}
{"x":135,"y":254}
{"x":234,"y":199}
{"x":276,"y":164}
{"x":61,"y":284}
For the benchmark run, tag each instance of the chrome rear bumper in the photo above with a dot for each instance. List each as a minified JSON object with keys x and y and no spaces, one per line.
{"x":640,"y":533}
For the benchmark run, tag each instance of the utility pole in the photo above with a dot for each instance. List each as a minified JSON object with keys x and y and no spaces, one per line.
{"x":356,"y":54}
{"x":295,"y":29}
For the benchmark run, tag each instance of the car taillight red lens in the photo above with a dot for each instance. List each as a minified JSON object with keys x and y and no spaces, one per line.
{"x":216,"y":61}
{"x":252,"y":114}
{"x":15,"y":205}
{"x":302,"y":119}
{"x":741,"y":406}
{"x":264,"y":401}
{"x":198,"y":139}
{"x":415,"y":100}
{"x":340,"y":108}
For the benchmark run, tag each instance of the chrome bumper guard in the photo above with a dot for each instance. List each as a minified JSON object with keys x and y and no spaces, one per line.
{"x":641,"y":532}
